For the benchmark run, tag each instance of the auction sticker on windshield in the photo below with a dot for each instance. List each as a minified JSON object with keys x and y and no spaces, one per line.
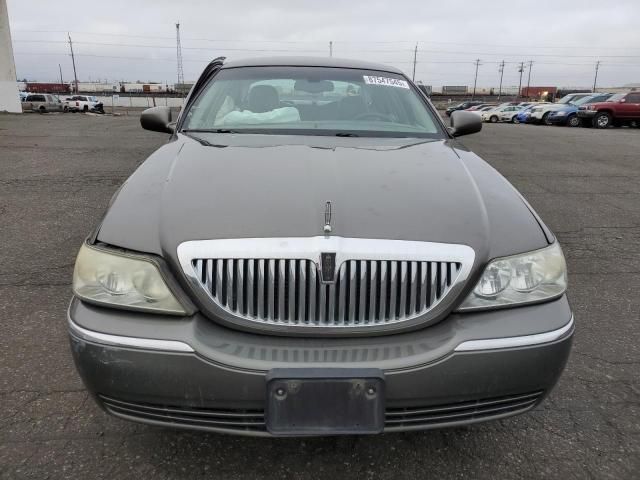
{"x":390,"y":82}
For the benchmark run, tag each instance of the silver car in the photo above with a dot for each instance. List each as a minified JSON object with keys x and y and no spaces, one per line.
{"x":43,"y":103}
{"x":313,"y":252}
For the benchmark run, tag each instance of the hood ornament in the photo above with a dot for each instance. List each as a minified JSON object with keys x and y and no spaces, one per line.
{"x":327,"y":218}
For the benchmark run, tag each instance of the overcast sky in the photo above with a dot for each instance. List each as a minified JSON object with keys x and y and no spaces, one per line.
{"x":135,"y":40}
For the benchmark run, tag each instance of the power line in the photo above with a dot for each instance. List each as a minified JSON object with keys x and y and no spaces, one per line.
{"x":447,"y":52}
{"x":510,"y":45}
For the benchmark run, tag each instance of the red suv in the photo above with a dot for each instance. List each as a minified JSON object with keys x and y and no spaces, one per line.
{"x":617,"y":110}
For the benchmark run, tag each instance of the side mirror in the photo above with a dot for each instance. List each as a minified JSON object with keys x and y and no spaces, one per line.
{"x":157,"y":119}
{"x":623,"y":100}
{"x":464,"y":123}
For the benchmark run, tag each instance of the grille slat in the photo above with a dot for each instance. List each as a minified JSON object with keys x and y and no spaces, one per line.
{"x":290,"y":291}
{"x":396,"y":419}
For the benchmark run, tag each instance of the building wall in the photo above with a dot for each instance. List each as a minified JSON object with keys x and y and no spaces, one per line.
{"x":9,"y":94}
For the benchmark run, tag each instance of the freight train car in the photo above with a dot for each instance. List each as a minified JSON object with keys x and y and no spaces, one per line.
{"x":41,"y":87}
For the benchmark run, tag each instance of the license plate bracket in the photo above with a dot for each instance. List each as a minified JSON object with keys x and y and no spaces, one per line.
{"x":325,"y":401}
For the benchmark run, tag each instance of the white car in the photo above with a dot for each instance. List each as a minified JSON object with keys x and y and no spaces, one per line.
{"x":480,"y":111}
{"x":504,"y":113}
{"x":540,"y":113}
{"x":84,"y":103}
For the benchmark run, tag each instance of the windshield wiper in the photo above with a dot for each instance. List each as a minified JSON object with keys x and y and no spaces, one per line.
{"x":346,"y":134}
{"x":210,"y":130}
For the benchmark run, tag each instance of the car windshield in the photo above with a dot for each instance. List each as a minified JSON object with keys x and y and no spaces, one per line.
{"x":311,"y":101}
{"x":616,"y":97}
{"x":582,"y":100}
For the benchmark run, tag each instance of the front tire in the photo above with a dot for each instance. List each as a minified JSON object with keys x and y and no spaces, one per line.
{"x":602,"y":120}
{"x":493,"y":119}
{"x":545,"y":119}
{"x":573,"y":121}
{"x":85,"y":109}
{"x":516,"y":120}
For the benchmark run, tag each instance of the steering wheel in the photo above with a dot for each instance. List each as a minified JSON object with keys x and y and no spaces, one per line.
{"x":373,"y":116}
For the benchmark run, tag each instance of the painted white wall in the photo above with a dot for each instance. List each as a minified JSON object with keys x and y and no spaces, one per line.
{"x":9,"y":97}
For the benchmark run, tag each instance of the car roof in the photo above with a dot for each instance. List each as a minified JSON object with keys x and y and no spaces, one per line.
{"x":310,"y":62}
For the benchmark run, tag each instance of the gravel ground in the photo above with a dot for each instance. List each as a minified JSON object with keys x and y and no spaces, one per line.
{"x":57,"y":173}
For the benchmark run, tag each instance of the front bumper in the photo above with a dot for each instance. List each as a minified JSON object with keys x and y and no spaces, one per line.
{"x":558,"y":119}
{"x":587,"y":113}
{"x":193,"y":373}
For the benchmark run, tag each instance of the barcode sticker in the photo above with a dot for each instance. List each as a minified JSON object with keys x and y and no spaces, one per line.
{"x":389,"y":82}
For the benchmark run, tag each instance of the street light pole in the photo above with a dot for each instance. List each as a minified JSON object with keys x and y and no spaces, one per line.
{"x":520,"y":69}
{"x":595,"y":79}
{"x":475,"y":80}
{"x":415,"y":59}
{"x":73,"y":60}
{"x":501,"y":75}
{"x":529,"y":77}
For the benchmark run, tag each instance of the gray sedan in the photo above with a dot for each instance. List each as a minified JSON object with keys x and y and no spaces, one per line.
{"x":313,"y":252}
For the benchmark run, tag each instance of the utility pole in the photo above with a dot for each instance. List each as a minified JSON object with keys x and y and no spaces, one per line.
{"x":595,"y":79}
{"x":60,"y":68}
{"x":475,"y":81}
{"x":529,"y":77}
{"x":501,"y":70}
{"x":415,"y":60}
{"x":331,"y":48}
{"x":179,"y":58}
{"x":73,"y":60}
{"x":520,"y":69}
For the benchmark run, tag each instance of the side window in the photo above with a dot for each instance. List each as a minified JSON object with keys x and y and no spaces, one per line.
{"x":633,"y":98}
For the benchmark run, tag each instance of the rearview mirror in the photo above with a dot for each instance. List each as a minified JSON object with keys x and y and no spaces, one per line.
{"x":464,"y":123}
{"x":157,"y":119}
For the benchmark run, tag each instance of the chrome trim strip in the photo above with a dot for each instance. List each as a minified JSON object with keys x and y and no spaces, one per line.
{"x":510,"y":342}
{"x":131,"y":342}
{"x":309,"y":248}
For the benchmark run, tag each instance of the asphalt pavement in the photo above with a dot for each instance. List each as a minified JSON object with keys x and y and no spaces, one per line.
{"x":57,"y":174}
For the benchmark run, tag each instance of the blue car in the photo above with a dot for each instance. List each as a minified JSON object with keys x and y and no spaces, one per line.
{"x":567,"y":115}
{"x":523,"y":115}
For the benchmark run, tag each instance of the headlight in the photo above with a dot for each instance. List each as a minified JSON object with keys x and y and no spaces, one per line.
{"x":526,"y":278}
{"x":124,"y":281}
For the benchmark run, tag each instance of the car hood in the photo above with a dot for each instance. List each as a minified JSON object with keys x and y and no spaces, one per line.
{"x":566,"y":108}
{"x":258,"y":186}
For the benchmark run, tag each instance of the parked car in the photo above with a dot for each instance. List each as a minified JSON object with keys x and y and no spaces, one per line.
{"x":540,"y":113}
{"x":509,"y":113}
{"x":500,"y":114}
{"x":84,"y":103}
{"x":42,"y":103}
{"x":481,"y":110}
{"x":461,"y":106}
{"x":568,"y":114}
{"x":479,"y":106}
{"x":23,"y":96}
{"x":273,"y":269}
{"x":619,"y":109}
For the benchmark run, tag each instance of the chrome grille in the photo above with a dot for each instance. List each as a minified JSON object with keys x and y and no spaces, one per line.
{"x":289,"y":291}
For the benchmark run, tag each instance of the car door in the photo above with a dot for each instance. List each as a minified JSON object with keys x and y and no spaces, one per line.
{"x":631,"y":105}
{"x":50,"y":103}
